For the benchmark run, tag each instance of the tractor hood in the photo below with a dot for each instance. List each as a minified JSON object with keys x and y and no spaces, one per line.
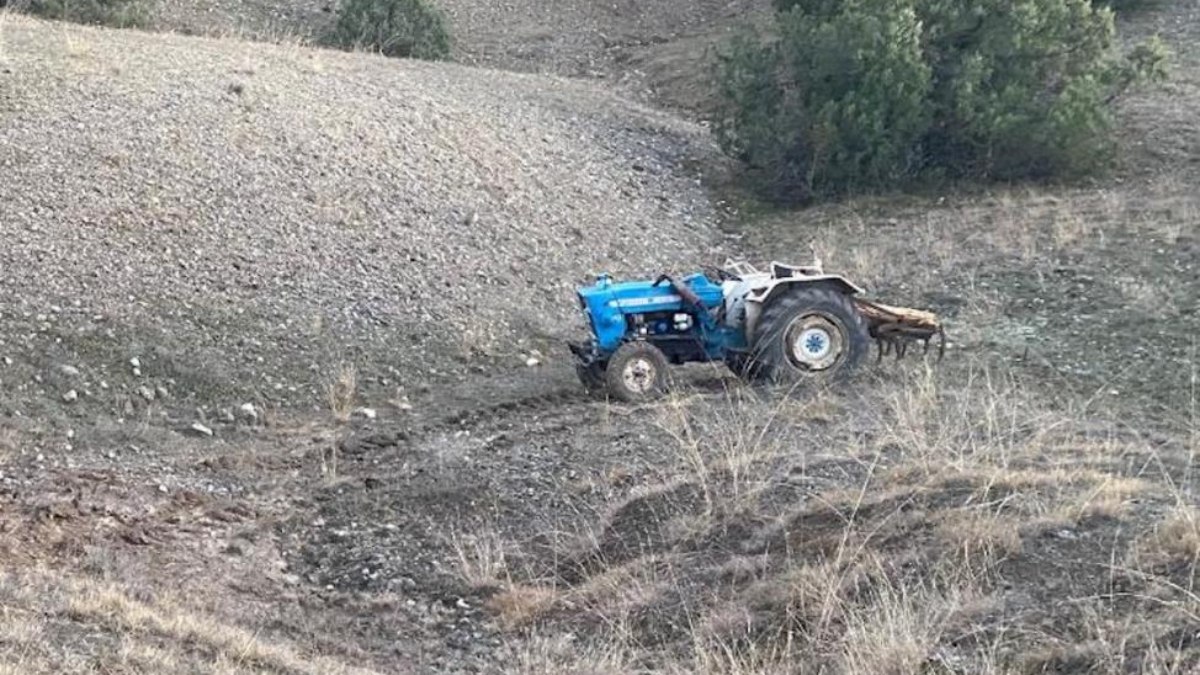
{"x":607,"y":303}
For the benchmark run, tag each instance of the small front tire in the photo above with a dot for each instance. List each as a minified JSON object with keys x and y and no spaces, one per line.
{"x":637,"y":373}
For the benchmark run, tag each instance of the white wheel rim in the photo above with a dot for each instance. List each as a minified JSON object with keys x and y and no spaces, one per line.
{"x":639,"y":375}
{"x":814,"y":343}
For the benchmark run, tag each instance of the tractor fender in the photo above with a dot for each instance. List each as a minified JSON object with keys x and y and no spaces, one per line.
{"x":758,"y":298}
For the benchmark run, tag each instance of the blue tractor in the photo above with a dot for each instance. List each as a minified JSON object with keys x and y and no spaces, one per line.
{"x":788,"y":325}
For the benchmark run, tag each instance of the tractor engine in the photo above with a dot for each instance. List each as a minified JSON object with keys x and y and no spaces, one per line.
{"x":680,"y":318}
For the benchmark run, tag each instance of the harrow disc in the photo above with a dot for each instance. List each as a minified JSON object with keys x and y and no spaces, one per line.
{"x":895,"y":328}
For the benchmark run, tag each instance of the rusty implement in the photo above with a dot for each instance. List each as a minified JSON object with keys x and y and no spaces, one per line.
{"x":895,"y":328}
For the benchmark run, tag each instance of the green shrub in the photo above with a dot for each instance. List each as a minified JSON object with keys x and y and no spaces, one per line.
{"x":116,"y":13}
{"x":852,"y":94}
{"x":400,"y":28}
{"x":833,"y":101}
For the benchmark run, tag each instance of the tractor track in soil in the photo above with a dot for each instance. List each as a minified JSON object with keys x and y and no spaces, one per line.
{"x":556,"y":391}
{"x":388,"y":435}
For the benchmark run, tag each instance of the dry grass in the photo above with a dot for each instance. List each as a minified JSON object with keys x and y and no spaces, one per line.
{"x":1175,"y":539}
{"x":972,"y":534}
{"x":947,"y":481}
{"x":163,"y":635}
{"x":1109,"y":497}
{"x":896,"y":629}
{"x":520,"y":605}
{"x":482,"y":558}
{"x":563,"y":654}
{"x":110,"y":605}
{"x":618,"y":591}
{"x":730,"y":446}
{"x":9,"y":443}
{"x":341,"y":392}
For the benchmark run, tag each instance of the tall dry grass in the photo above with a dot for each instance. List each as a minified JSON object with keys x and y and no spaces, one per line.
{"x":948,"y":479}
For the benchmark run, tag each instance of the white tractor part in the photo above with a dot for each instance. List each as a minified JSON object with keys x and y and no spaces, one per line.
{"x":746,"y":297}
{"x":893,"y":328}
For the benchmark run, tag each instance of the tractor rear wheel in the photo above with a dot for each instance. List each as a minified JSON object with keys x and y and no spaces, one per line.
{"x":637,"y":372}
{"x":809,"y":335}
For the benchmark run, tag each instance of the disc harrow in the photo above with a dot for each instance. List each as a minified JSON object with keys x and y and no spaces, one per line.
{"x":895,"y":328}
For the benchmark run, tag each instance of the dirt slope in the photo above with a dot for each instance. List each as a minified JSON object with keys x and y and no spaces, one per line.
{"x":656,"y":51}
{"x":243,"y":217}
{"x":1029,"y":506}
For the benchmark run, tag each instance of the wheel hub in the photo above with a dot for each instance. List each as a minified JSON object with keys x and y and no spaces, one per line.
{"x":639,"y":375}
{"x":814,"y":343}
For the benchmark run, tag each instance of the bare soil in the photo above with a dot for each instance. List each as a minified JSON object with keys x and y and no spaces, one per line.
{"x":1028,"y":505}
{"x":658,"y":51}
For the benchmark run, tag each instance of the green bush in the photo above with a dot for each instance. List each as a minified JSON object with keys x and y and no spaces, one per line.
{"x":851,"y":94}
{"x":400,"y":28}
{"x":116,"y":13}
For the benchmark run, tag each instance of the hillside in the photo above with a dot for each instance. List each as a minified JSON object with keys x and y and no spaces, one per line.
{"x":199,"y":203}
{"x":192,"y":224}
{"x":654,"y":51}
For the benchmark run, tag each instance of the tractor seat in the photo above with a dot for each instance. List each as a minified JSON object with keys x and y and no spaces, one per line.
{"x":781,"y":271}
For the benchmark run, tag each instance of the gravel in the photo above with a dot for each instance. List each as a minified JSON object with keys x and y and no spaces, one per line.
{"x":580,"y":38}
{"x":164,"y":228}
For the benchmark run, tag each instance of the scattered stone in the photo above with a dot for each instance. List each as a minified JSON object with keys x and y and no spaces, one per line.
{"x":8,"y":361}
{"x":69,"y":371}
{"x":198,"y":429}
{"x":136,"y":536}
{"x":226,"y":416}
{"x":365,"y":413}
{"x":71,"y":396}
{"x":248,"y":412}
{"x":162,"y":488}
{"x":146,"y":393}
{"x":162,"y":392}
{"x":135,"y":363}
{"x":532,"y":361}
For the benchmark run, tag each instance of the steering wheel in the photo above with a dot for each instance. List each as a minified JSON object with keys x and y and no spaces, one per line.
{"x":720,"y":274}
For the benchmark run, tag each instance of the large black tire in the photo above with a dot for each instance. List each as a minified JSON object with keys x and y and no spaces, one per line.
{"x":636,"y":373}
{"x":808,"y":335}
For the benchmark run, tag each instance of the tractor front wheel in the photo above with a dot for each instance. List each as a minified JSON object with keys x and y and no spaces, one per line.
{"x":637,"y":372}
{"x":809,"y":334}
